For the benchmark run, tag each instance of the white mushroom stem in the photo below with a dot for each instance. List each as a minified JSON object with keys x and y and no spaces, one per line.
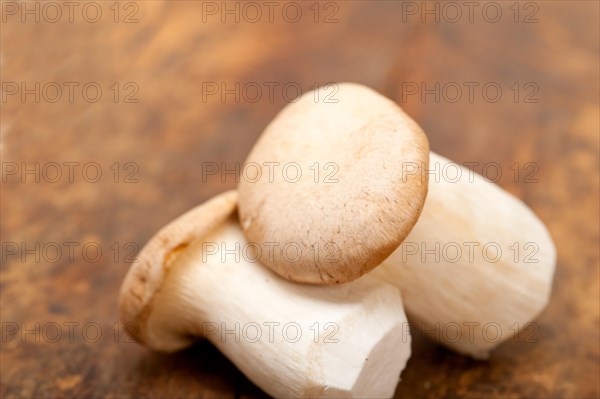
{"x":291,"y":340}
{"x":477,"y":266}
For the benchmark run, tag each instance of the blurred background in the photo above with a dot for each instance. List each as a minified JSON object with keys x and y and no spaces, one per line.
{"x":110,"y":109}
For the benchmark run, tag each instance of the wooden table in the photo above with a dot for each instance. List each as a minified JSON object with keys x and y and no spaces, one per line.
{"x":156,"y":65}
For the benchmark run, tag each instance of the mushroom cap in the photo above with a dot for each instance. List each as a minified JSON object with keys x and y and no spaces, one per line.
{"x":333,"y":185}
{"x":146,"y":276}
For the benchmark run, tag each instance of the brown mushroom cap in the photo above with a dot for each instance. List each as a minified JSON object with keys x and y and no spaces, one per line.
{"x":146,"y":276}
{"x":333,"y":197}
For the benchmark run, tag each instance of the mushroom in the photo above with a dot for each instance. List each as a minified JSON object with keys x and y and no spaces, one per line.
{"x":469,"y":305}
{"x":197,"y":278}
{"x":334,"y":168}
{"x":476,"y":268}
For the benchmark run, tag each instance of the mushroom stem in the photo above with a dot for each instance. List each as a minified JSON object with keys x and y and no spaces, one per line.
{"x":291,"y":340}
{"x":477,"y":266}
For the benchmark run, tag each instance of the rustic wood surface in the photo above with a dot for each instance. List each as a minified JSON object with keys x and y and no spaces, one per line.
{"x":168,"y":54}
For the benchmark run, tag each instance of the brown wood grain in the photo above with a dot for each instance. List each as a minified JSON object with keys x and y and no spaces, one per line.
{"x":168,"y":54}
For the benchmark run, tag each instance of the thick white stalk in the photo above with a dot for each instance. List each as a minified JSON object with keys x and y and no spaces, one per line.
{"x":477,"y":266}
{"x":291,"y":340}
